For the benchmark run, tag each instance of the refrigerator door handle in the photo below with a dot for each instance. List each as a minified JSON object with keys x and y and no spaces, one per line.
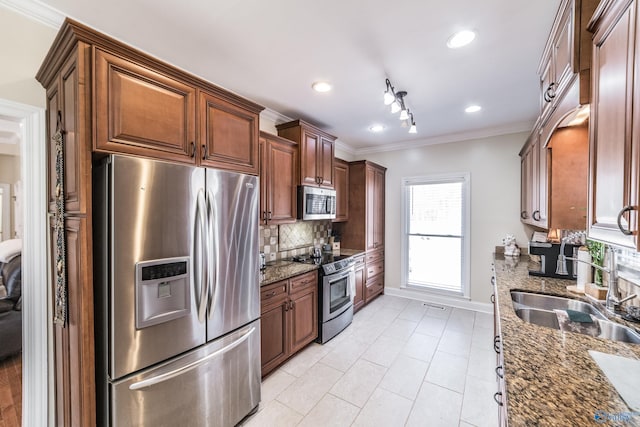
{"x":201,"y":213}
{"x":181,"y":370}
{"x":212,"y":283}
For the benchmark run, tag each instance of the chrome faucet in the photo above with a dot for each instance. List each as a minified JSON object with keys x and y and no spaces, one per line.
{"x":613,"y":301}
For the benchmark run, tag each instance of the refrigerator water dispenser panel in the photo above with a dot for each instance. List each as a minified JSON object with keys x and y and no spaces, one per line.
{"x":162,"y":290}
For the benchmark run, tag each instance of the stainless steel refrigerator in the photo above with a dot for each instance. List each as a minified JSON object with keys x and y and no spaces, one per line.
{"x":177,"y":294}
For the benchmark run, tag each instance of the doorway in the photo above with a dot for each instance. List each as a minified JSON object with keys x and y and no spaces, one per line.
{"x":35,"y":359}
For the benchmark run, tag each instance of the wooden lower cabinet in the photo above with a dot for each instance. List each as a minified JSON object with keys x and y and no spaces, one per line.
{"x":288,"y":318}
{"x":374,"y":274}
{"x":358,"y":300}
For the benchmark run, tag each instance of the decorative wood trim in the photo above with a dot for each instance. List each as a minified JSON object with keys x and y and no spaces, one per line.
{"x":60,"y":268}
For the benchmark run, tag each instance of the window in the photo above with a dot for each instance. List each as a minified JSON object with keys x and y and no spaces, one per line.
{"x":435,"y":241}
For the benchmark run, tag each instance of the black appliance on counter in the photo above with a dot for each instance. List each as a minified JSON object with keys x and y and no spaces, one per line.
{"x":549,"y":253}
{"x":336,"y":289}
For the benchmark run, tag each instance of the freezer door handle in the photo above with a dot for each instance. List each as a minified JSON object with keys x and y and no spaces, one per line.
{"x":203,"y":255}
{"x":212,"y":248}
{"x":186,"y":368}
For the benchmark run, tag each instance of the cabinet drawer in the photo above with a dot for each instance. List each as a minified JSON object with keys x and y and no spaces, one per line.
{"x":374,"y":287}
{"x":304,"y":281}
{"x":374,"y":255}
{"x":274,"y":293}
{"x":375,"y":268}
{"x":359,"y":261}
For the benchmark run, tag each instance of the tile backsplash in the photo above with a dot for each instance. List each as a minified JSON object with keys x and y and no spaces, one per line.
{"x":286,"y":240}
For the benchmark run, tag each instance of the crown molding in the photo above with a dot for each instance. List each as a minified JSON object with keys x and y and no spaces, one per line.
{"x":273,"y":115}
{"x":36,"y":11}
{"x":341,"y":145}
{"x":452,"y":137}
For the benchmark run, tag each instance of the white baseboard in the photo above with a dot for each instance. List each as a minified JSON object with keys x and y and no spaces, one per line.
{"x":439,"y":299}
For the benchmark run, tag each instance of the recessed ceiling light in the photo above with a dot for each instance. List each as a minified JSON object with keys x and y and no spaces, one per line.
{"x":321,"y":86}
{"x":461,"y":38}
{"x":376,"y":128}
{"x":472,"y":109}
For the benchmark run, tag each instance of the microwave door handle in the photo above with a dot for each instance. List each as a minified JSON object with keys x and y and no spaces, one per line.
{"x":189,"y":366}
{"x":203,"y":255}
{"x":212,"y":242}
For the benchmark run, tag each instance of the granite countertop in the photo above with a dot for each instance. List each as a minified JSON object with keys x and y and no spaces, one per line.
{"x":284,"y":269}
{"x":551,"y":380}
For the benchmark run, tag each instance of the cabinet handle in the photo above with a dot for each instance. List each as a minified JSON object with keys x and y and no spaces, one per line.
{"x":204,"y":151}
{"x":269,"y":217}
{"x":533,"y":215}
{"x":493,"y":298}
{"x":523,"y":214}
{"x":286,"y":306}
{"x":493,"y":280}
{"x":627,"y":208}
{"x":498,"y":398}
{"x":496,"y":344}
{"x":264,"y":216}
{"x":270,"y":294}
{"x":499,"y":372}
{"x":193,"y":149}
{"x":292,"y":305}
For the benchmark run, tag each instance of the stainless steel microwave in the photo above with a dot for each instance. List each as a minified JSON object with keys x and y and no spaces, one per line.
{"x":316,"y":203}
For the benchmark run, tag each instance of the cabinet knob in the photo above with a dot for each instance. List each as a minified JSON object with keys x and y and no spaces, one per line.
{"x":624,"y":210}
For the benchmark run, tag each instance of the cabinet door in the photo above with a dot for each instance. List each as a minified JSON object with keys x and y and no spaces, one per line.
{"x":341,"y":181}
{"x":141,"y":112}
{"x":66,"y":103}
{"x":308,"y":165}
{"x":358,"y":300}
{"x":547,"y":92}
{"x":563,"y":46}
{"x":378,"y":222}
{"x":611,"y":182}
{"x":542,"y":185}
{"x":374,"y":287}
{"x":228,"y":135}
{"x":304,"y":318}
{"x":370,"y":178}
{"x":325,"y":162}
{"x":273,"y":335}
{"x":281,"y":178}
{"x":264,"y":172}
{"x":527,"y":194}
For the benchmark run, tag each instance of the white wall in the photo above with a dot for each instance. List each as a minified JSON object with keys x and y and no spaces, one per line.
{"x":25,"y":44}
{"x":494,"y":166}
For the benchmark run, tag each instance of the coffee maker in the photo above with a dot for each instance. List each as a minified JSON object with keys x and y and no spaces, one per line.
{"x":549,"y":253}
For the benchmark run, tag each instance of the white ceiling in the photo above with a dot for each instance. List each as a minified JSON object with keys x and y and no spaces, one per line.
{"x":271,"y":52}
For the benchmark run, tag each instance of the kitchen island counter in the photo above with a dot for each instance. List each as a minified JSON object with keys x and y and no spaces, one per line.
{"x":550,"y":378}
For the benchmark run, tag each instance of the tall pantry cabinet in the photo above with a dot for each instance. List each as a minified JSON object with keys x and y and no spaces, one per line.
{"x":365,"y":228}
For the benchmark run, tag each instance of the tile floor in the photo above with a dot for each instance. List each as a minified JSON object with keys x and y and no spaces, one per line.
{"x":400,"y":363}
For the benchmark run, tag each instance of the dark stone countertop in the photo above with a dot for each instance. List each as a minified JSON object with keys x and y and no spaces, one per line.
{"x":551,"y":380}
{"x":284,"y":269}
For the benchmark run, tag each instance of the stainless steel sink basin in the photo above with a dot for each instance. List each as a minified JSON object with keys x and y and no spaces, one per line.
{"x":539,"y":317}
{"x":548,"y":302}
{"x":538,"y":309}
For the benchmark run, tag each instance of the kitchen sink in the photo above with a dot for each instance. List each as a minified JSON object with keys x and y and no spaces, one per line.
{"x":539,"y":317}
{"x":538,"y":309}
{"x":550,"y":303}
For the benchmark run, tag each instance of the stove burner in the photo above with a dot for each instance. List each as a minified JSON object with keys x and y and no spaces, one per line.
{"x":330,"y":263}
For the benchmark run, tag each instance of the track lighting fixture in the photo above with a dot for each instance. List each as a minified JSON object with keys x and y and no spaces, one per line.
{"x":396,"y":101}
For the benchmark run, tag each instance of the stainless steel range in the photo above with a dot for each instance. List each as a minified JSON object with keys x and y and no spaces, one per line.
{"x":336,"y":289}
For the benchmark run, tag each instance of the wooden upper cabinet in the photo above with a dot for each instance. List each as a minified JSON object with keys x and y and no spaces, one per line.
{"x":228,"y":135}
{"x":316,"y":152}
{"x":341,"y":181}
{"x":365,"y":227}
{"x":567,"y":53}
{"x":614,"y":145}
{"x":142,"y":112}
{"x":278,"y":180}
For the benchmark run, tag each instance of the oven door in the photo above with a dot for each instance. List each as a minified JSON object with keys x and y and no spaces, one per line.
{"x":337,"y":291}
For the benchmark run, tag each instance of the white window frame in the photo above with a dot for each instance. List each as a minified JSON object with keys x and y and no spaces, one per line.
{"x":465,"y":178}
